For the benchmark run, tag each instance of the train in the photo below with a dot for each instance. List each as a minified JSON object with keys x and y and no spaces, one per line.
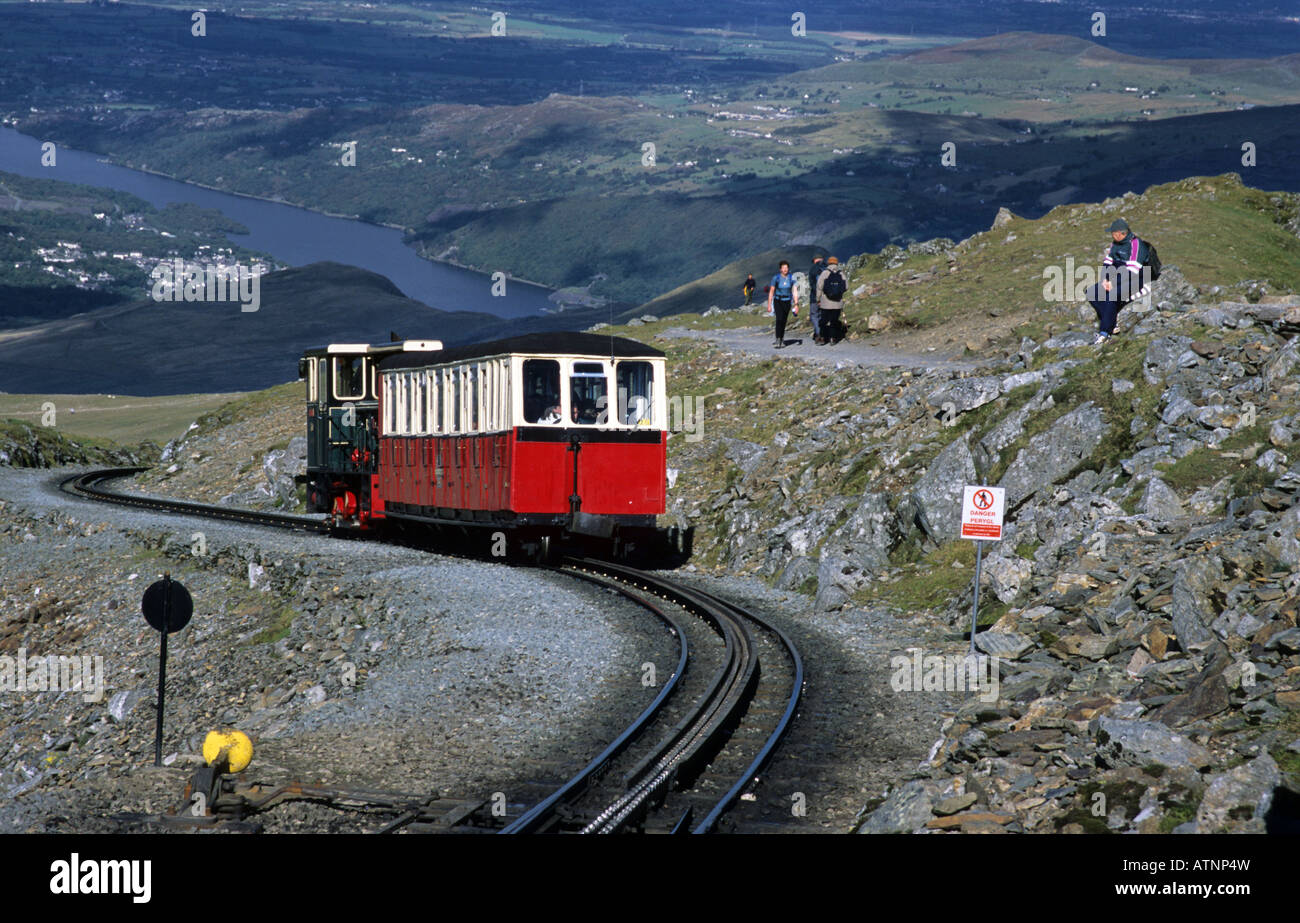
{"x":522,"y":448}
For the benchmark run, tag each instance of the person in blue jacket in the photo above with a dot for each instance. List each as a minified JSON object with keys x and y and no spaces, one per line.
{"x":1123,"y":278}
{"x":782,"y":299}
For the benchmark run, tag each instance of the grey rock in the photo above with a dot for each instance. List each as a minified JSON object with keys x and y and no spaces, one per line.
{"x":966,"y":393}
{"x":830,"y":597}
{"x":1160,"y":502}
{"x":954,"y":804}
{"x":280,"y":466}
{"x":1161,"y":359}
{"x":837,"y":576}
{"x":939,"y":492}
{"x":1003,"y":218}
{"x":1008,"y":645}
{"x":1272,"y":461}
{"x":1282,"y":541}
{"x":1173,"y":287}
{"x":1248,"y":787}
{"x":121,"y":703}
{"x":796,"y":573}
{"x":1177,"y":406}
{"x":1071,"y":339}
{"x":1011,"y":382}
{"x":1008,"y":430}
{"x":1007,"y":575}
{"x":1054,"y":454}
{"x":745,"y":454}
{"x":1287,"y":641}
{"x":1282,"y":366}
{"x":868,"y":536}
{"x":905,"y":811}
{"x":1123,"y":742}
{"x":1193,"y":605}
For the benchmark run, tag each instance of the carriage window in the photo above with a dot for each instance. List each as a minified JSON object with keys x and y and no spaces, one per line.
{"x":444,"y":378}
{"x":399,"y":415}
{"x":422,"y":399}
{"x":541,"y":390}
{"x":349,"y":378}
{"x":435,"y":401}
{"x":589,"y":393}
{"x":389,"y":415}
{"x":636,"y":393}
{"x":455,"y":400}
{"x":472,"y":385}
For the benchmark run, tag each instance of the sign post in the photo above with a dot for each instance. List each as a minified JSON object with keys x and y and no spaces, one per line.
{"x":982,"y":509}
{"x":167,"y":607}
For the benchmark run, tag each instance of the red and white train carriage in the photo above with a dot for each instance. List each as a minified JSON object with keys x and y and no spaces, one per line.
{"x":539,"y":437}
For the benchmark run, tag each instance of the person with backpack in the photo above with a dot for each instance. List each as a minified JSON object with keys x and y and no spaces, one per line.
{"x":1129,"y":266}
{"x":831,"y":287}
{"x":814,"y":303}
{"x":782,"y":298}
{"x":748,"y":289}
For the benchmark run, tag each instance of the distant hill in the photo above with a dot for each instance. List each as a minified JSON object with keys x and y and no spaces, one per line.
{"x":149,"y":348}
{"x":723,"y":288}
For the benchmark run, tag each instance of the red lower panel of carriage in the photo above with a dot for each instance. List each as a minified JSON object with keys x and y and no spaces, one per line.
{"x":527,"y":471}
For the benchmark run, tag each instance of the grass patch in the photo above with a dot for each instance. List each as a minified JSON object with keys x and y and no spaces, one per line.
{"x":1287,"y":760}
{"x":1026,"y":549}
{"x":860,"y":474}
{"x":249,"y":406}
{"x":989,"y":614}
{"x":1176,"y":814}
{"x":281,"y":619}
{"x":933,"y":582}
{"x":1204,"y":465}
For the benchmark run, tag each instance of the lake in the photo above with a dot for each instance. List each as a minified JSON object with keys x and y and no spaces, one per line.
{"x":292,"y":235}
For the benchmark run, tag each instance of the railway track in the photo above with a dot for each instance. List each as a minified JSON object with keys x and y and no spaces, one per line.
{"x":706,"y":755}
{"x":689,"y":757}
{"x":90,"y":485}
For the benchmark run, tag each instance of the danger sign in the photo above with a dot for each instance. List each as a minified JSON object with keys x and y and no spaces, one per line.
{"x":981,"y":513}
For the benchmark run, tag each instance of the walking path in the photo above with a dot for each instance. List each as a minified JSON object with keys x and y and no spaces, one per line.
{"x":800,"y":345}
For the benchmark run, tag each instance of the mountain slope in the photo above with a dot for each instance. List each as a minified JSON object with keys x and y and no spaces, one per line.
{"x":148,"y":348}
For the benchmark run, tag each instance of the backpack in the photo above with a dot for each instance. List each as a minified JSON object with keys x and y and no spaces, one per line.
{"x":834,"y":287}
{"x":1153,"y":261}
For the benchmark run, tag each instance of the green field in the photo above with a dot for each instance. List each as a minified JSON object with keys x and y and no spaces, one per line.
{"x":120,"y":418}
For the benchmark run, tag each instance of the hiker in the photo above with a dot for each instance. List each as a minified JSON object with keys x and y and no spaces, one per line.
{"x":814,"y":301}
{"x":831,"y":286}
{"x":750,"y":285}
{"x":782,"y":299}
{"x":1122,"y":278}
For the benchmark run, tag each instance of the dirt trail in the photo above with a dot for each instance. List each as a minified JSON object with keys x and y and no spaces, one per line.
{"x":800,"y":345}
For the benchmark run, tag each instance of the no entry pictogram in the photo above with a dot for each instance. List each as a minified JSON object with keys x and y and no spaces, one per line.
{"x":982,"y":499}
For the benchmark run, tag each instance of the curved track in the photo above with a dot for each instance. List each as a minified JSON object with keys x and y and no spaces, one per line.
{"x":702,"y":764}
{"x":89,"y":485}
{"x":707,"y":754}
